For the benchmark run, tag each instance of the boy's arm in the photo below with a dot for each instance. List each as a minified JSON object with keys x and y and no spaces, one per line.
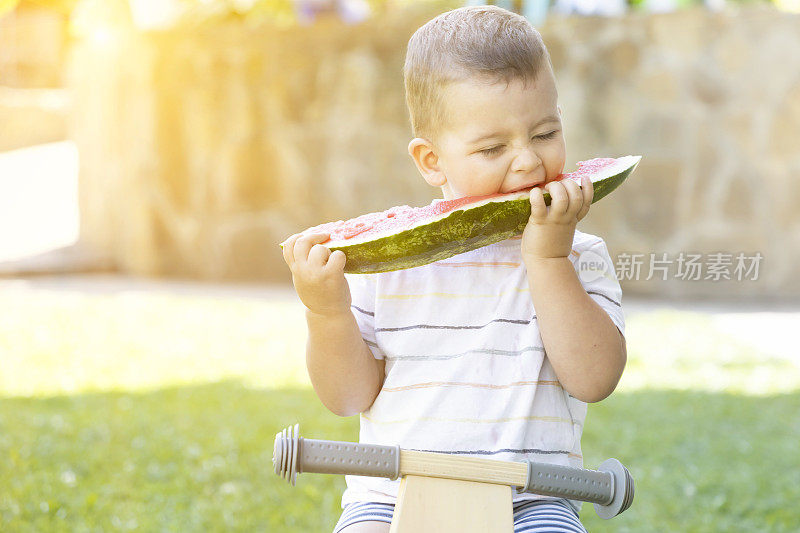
{"x":583,"y":344}
{"x":344,"y":373}
{"x":587,"y":351}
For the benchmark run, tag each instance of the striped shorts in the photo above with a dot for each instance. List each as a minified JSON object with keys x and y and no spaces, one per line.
{"x":551,"y":516}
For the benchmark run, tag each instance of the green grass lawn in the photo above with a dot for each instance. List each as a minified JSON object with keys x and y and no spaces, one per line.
{"x":157,"y":412}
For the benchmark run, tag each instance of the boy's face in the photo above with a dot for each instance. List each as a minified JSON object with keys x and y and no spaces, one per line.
{"x":499,"y":138}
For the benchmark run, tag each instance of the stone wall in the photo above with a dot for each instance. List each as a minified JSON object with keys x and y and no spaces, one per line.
{"x":33,"y":104}
{"x":201,"y":150}
{"x":32,"y":48}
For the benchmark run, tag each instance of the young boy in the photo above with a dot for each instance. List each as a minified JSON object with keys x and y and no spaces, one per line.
{"x":494,"y":352}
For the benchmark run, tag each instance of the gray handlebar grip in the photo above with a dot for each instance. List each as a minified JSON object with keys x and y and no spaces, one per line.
{"x":610,"y":488}
{"x":295,"y":454}
{"x":568,"y":482}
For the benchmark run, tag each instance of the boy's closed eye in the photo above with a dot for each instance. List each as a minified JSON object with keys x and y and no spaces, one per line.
{"x":497,"y":149}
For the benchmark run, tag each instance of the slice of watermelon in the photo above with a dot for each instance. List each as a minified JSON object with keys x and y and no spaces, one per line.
{"x":406,"y":237}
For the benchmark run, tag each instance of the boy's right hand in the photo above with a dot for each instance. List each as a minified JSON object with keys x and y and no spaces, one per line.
{"x":317,"y":274}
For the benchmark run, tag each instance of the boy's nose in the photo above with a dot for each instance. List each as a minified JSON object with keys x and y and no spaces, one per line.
{"x":526,"y":160}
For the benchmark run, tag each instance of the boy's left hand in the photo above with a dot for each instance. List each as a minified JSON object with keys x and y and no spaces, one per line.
{"x":550,"y":231}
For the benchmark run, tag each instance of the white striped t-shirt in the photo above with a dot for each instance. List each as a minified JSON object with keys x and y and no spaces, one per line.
{"x":466,"y":372}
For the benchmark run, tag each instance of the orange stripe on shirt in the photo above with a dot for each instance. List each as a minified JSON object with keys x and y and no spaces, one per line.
{"x":469,"y":420}
{"x":445,"y":295}
{"x":477,"y":264}
{"x":466,"y":384}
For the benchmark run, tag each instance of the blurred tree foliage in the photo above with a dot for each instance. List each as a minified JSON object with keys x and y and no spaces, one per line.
{"x":195,"y":11}
{"x":62,"y":6}
{"x":283,"y":11}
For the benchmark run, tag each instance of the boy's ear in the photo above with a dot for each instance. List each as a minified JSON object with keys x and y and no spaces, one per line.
{"x":424,"y":156}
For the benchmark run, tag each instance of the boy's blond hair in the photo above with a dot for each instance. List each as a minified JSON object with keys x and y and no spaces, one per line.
{"x":477,"y":41}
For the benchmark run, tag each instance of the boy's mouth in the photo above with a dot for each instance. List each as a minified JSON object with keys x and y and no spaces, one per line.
{"x":529,"y":187}
{"x":526,"y":188}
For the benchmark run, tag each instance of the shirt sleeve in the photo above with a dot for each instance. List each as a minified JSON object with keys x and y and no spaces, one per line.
{"x":363,"y":294}
{"x":597,"y":274}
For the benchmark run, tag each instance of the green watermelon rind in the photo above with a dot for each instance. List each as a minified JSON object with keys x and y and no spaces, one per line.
{"x":459,"y":232}
{"x":462,"y":230}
